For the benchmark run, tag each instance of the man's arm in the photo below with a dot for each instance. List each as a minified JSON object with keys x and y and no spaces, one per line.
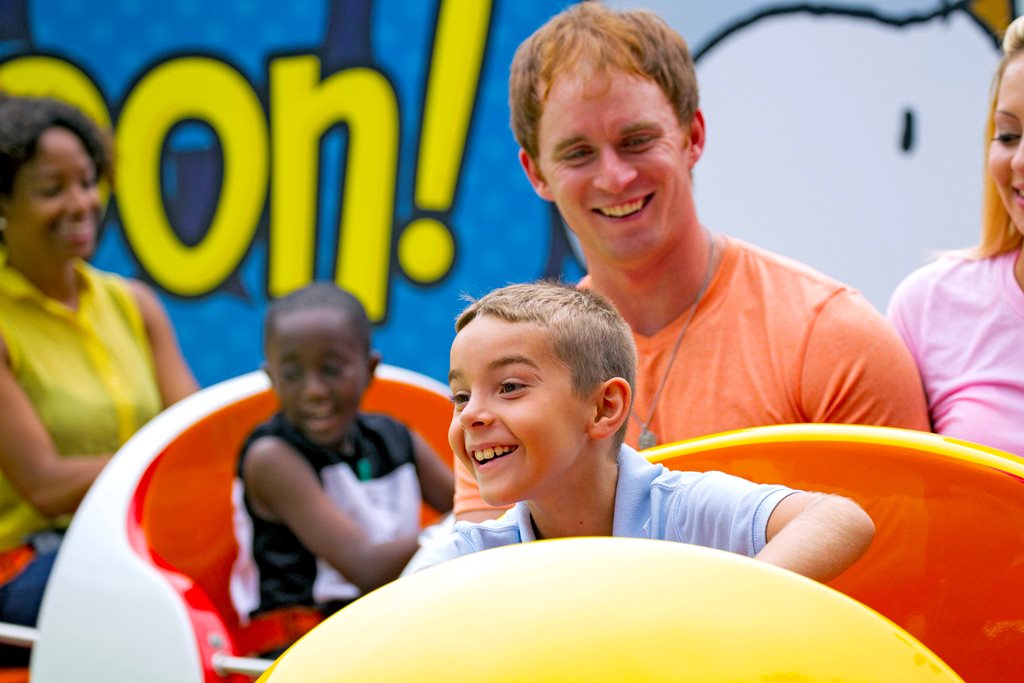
{"x":817,"y":535}
{"x":856,"y":370}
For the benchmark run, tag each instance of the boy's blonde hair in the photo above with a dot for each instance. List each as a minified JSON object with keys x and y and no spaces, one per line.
{"x":585,"y":330}
{"x":998,"y":233}
{"x":589,"y":34}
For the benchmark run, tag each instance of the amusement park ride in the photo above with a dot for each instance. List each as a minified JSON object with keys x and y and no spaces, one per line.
{"x":140,"y":589}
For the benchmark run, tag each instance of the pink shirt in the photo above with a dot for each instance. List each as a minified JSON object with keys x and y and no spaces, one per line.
{"x":963,"y":321}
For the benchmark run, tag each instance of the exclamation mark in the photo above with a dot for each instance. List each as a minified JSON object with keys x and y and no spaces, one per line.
{"x":426,"y":247}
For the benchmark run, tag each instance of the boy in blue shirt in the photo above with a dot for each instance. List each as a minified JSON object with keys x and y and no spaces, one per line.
{"x":541,"y":380}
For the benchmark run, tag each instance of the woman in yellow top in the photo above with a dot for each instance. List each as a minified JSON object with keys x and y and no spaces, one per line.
{"x":86,"y":357}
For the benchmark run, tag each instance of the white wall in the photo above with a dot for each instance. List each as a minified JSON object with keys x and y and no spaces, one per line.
{"x":806,"y":118}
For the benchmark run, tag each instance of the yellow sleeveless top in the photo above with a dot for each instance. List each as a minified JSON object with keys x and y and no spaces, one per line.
{"x":89,"y":374}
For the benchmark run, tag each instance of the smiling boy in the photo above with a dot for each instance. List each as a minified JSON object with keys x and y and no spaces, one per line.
{"x":327,"y":497}
{"x":542,"y":380}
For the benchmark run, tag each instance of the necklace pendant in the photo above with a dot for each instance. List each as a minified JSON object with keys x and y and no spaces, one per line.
{"x":647,"y":439}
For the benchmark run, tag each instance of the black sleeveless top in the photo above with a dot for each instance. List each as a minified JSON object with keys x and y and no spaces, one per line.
{"x":378,"y":462}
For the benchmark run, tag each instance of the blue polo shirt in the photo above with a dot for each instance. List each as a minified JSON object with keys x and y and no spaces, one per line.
{"x":710,"y":509}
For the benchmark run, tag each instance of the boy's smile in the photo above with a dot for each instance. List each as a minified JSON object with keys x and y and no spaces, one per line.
{"x":517,"y":423}
{"x":485,"y":454}
{"x":319,"y":368}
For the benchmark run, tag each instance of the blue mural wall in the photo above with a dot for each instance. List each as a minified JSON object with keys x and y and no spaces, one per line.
{"x":262,"y":145}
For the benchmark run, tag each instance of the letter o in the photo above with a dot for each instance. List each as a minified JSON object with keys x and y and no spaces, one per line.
{"x":211,"y":91}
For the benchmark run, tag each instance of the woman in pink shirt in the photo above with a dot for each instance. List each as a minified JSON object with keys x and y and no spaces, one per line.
{"x":962,"y":317}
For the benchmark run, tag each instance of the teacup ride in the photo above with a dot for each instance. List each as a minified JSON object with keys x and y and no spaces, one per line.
{"x":942,"y":578}
{"x":140,"y":589}
{"x":947,"y":558}
{"x":607,"y":609}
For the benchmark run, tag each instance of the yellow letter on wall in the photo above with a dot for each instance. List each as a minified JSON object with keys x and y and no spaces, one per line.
{"x":302,"y":109}
{"x":211,"y":91}
{"x":51,"y":77}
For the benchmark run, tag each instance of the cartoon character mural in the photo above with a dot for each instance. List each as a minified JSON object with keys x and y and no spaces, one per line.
{"x":264,"y":145}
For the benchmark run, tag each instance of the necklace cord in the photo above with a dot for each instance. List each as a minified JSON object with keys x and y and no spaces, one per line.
{"x":647,"y":438}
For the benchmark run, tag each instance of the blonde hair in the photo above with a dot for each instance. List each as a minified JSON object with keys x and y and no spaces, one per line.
{"x":585,"y":330}
{"x":588,"y":33}
{"x":998,"y":233}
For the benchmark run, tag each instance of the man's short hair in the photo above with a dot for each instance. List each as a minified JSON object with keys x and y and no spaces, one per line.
{"x":585,"y":330}
{"x":589,"y":34}
{"x":320,"y":295}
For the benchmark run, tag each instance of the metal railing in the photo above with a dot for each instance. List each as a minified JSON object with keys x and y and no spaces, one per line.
{"x":18,"y":635}
{"x":250,"y":666}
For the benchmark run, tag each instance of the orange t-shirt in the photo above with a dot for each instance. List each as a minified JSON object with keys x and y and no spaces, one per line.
{"x":772,"y":342}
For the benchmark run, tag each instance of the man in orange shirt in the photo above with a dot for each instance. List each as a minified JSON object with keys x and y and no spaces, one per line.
{"x":605,"y":110}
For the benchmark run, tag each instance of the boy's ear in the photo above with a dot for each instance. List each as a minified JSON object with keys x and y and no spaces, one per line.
{"x":611,"y":403}
{"x":265,"y":367}
{"x":372,"y":362}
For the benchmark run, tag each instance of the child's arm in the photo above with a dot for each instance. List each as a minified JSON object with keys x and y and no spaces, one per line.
{"x":284,"y":488}
{"x":437,"y":482}
{"x":817,"y":535}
